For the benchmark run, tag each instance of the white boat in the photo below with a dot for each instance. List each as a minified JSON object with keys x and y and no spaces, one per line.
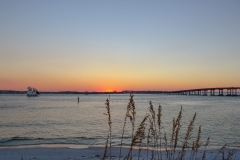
{"x":32,"y":92}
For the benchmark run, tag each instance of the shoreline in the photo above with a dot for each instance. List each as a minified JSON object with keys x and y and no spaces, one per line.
{"x":83,"y":152}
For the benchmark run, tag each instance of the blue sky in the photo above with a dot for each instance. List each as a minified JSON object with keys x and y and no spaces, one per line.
{"x":159,"y":44}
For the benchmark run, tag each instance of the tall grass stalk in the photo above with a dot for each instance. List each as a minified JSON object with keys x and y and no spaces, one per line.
{"x":176,"y":125}
{"x":166,"y":145}
{"x":159,"y":122}
{"x":196,"y":145}
{"x":187,"y":137}
{"x":110,"y":126}
{"x":105,"y":150}
{"x":205,"y":148}
{"x":138,"y":137}
{"x":127,"y":115}
{"x":131,"y":114}
{"x":220,"y":151}
{"x":153,"y":128}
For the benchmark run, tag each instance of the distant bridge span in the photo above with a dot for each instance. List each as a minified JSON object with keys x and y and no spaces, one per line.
{"x":230,"y":91}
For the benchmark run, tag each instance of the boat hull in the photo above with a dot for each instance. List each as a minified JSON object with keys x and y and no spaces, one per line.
{"x":32,"y":95}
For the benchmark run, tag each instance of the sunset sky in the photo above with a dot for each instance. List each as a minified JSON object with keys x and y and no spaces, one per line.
{"x":119,"y":45}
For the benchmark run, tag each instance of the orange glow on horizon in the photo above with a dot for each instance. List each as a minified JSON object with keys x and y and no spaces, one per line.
{"x":66,"y":85}
{"x":96,"y":83}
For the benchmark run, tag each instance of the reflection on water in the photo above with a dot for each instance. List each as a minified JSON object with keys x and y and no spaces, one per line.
{"x":60,"y":119}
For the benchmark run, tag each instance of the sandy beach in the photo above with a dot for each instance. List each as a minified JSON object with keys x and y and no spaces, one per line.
{"x":78,"y":152}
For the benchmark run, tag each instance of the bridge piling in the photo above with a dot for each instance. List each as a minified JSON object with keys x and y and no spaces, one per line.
{"x":220,"y":92}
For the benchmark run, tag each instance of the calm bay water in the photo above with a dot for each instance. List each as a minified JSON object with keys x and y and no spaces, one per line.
{"x":59,"y":119}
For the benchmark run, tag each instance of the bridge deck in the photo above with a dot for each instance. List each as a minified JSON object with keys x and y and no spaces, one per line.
{"x":231,"y":91}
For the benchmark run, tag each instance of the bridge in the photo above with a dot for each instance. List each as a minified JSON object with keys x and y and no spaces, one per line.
{"x":230,"y":91}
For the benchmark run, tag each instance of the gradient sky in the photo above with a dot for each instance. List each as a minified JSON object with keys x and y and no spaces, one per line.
{"x":119,"y":45}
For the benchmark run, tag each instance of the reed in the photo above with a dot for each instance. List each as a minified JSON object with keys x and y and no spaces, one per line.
{"x":151,"y":136}
{"x":131,"y":114}
{"x":105,"y":150}
{"x":205,"y":148}
{"x":187,"y":138}
{"x":176,"y":126}
{"x":231,"y":152}
{"x":138,"y":137}
{"x":153,"y":131}
{"x":196,"y":144}
{"x":222,"y":151}
{"x":110,"y":130}
{"x":166,"y":145}
{"x":132,"y":111}
{"x":159,"y":123}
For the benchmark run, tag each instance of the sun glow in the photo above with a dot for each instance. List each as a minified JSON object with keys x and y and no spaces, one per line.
{"x":111,"y":90}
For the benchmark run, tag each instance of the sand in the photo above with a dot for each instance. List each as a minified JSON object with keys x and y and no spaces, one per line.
{"x":78,"y":152}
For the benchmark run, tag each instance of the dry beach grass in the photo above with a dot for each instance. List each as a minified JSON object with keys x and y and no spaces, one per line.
{"x":156,"y":144}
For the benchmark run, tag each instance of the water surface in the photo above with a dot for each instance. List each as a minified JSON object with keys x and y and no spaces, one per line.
{"x":60,"y":119}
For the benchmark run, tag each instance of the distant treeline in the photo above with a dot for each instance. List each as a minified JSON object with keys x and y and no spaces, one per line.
{"x":86,"y":92}
{"x":12,"y":92}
